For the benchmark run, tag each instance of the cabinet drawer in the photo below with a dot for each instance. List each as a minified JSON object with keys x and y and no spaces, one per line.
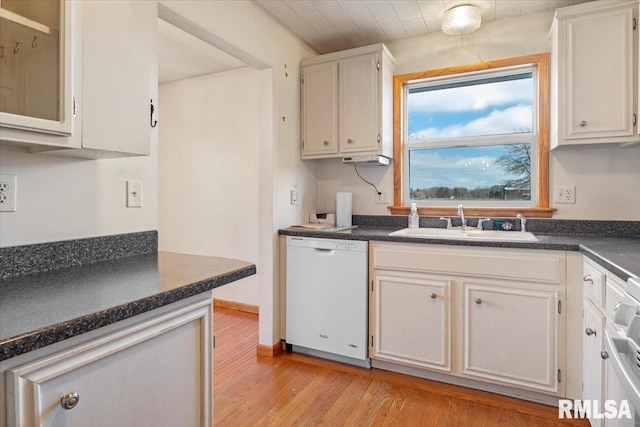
{"x":614,"y":291}
{"x":593,"y":282}
{"x":513,"y":264}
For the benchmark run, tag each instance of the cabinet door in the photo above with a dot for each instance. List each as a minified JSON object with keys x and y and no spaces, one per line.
{"x":119,"y":75}
{"x":511,"y":336}
{"x":359,"y":104}
{"x":156,"y":374}
{"x":320,"y":110}
{"x":599,"y":75}
{"x":411,"y":322}
{"x":40,"y":81}
{"x":593,"y":374}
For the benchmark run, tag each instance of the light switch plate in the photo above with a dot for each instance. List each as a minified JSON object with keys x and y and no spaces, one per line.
{"x":134,"y":194}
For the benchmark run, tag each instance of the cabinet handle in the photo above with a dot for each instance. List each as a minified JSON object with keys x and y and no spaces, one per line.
{"x":604,"y":355}
{"x":433,"y":295}
{"x":478,"y":301}
{"x":151,"y":121}
{"x":69,"y":401}
{"x":617,"y":306}
{"x":326,"y":143}
{"x":587,"y":279}
{"x":349,"y":141}
{"x":590,"y":332}
{"x":583,"y":124}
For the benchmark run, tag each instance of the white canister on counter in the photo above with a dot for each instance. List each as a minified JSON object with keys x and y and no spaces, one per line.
{"x":343,"y":209}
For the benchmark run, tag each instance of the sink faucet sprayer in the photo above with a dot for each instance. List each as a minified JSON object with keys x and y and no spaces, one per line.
{"x":461,"y":214}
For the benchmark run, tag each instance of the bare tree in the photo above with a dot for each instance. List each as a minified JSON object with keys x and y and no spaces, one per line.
{"x":516,"y":161}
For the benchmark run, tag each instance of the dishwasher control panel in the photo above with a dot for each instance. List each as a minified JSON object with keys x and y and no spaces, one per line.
{"x":335,"y":244}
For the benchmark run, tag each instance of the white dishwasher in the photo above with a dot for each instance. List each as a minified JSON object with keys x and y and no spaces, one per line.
{"x":326,"y":313}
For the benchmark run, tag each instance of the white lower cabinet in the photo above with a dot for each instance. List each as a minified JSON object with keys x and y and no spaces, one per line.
{"x":600,"y":381}
{"x":594,"y":365}
{"x":156,"y":371}
{"x":419,"y":333}
{"x":511,"y":335}
{"x":470,"y":315}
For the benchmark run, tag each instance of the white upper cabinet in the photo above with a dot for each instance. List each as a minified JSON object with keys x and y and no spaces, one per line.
{"x":40,"y":67}
{"x":107,"y":83}
{"x":347,"y":103}
{"x":594,"y":74}
{"x":119,"y":75}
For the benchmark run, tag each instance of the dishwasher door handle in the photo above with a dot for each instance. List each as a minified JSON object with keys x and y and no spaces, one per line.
{"x":324,"y":251}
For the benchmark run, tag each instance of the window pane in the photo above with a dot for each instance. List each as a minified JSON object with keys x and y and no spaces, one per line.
{"x":492,"y":173}
{"x":487,"y":106}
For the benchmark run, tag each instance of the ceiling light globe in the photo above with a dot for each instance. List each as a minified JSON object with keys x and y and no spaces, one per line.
{"x":461,"y":19}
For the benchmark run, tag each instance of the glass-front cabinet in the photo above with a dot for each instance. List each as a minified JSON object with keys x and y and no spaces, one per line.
{"x":36,"y":66}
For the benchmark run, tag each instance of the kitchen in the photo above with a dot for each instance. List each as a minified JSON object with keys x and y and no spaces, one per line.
{"x":605,"y":177}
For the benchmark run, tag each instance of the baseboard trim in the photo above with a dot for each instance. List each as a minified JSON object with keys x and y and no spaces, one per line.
{"x":232,"y":305}
{"x":269,"y":350}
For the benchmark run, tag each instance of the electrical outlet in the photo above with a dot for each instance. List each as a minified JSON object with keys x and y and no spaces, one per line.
{"x":8,"y":192}
{"x":294,"y":197}
{"x":134,"y":194}
{"x":564,"y":194}
{"x":382,"y":198}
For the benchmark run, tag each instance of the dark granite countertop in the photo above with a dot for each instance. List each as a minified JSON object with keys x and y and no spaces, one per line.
{"x":44,"y":308}
{"x":619,"y":255}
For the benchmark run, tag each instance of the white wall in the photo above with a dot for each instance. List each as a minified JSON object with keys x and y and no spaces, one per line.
{"x":61,"y":198}
{"x":606,"y":179}
{"x":208,"y":171}
{"x":247,"y":29}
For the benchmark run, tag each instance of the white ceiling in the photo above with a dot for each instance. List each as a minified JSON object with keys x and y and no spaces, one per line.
{"x":182,"y":55}
{"x":333,"y":25}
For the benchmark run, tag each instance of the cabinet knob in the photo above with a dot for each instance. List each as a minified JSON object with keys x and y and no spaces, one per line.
{"x":433,"y":295}
{"x":478,"y":301}
{"x":604,"y":355}
{"x":349,"y":141}
{"x":69,"y":401}
{"x":326,"y":143}
{"x":587,"y":279}
{"x":583,"y":124}
{"x":590,"y":331}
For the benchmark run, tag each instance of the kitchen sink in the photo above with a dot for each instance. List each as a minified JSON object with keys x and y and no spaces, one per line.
{"x":468,"y":234}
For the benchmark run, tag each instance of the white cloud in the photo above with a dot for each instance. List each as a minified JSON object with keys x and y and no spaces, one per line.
{"x":497,"y":122}
{"x":471,"y":98}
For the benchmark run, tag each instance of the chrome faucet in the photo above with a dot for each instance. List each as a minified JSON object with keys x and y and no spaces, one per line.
{"x":523,"y":222}
{"x":448,"y":221}
{"x":461,"y":214}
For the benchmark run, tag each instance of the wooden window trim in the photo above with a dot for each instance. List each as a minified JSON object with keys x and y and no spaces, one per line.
{"x":542,"y":210}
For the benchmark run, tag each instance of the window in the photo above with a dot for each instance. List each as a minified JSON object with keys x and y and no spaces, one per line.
{"x":476,"y":135}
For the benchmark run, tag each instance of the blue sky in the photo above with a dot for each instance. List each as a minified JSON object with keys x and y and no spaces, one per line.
{"x":487,"y":109}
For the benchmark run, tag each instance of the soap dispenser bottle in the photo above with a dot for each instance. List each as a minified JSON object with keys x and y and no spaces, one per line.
{"x":414,"y":219}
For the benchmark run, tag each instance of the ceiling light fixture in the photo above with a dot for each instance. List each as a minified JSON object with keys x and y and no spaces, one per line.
{"x":461,"y":19}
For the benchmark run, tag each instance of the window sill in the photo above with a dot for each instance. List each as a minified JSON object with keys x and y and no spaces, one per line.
{"x":475,"y":211}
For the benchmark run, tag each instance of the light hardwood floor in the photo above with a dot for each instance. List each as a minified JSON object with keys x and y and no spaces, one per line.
{"x":294,"y":389}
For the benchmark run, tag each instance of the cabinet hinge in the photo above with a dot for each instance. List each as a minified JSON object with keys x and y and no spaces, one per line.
{"x":635,"y":119}
{"x":378,"y":65}
{"x":371,"y":340}
{"x":74,"y":107}
{"x":303,"y":143}
{"x":559,"y":375}
{"x":559,"y":307}
{"x":302,"y":80}
{"x":213,"y":339}
{"x":372,"y":286}
{"x":378,"y":138}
